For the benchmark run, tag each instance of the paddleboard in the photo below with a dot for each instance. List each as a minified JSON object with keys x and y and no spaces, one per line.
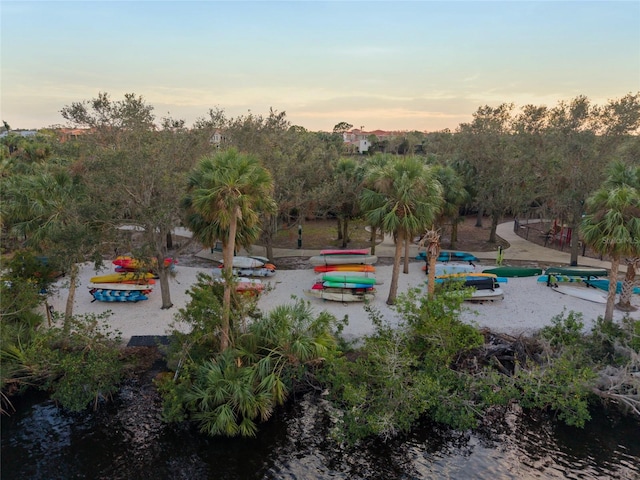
{"x":583,"y":293}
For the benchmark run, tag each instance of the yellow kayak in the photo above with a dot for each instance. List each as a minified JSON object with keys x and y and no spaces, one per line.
{"x":128,"y":277}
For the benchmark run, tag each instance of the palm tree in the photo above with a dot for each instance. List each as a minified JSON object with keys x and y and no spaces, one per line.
{"x":612,"y":226}
{"x":226,"y":192}
{"x":403,"y":197}
{"x":51,"y":210}
{"x":455,"y":195}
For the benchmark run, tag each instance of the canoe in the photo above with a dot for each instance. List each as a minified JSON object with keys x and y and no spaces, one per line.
{"x":344,"y":268}
{"x":340,"y":296}
{"x":102,"y":295}
{"x":513,"y":271}
{"x":583,"y":293}
{"x":245,"y":272}
{"x":450,"y":256}
{"x":603,"y":284}
{"x":343,"y":259}
{"x":577,"y":271}
{"x":349,"y":279}
{"x":451,"y":268}
{"x":353,"y":251}
{"x":121,"y":277}
{"x":131,"y":287}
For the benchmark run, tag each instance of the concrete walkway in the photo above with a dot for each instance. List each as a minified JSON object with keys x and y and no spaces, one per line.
{"x":519,"y":250}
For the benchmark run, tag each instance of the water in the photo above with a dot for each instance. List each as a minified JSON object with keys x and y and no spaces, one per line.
{"x":126,"y":440}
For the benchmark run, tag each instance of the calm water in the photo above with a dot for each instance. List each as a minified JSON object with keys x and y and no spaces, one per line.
{"x":127,"y":441}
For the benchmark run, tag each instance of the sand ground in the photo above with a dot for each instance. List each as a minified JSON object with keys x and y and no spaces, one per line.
{"x":527,"y":306}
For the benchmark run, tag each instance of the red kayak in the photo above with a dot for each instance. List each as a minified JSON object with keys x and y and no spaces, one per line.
{"x":344,"y":268}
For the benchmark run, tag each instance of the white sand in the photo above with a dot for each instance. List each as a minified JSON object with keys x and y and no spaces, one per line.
{"x":527,"y":306}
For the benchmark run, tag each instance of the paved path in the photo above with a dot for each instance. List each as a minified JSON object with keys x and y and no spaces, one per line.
{"x":519,"y":249}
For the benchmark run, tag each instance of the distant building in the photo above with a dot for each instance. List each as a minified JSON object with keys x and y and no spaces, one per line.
{"x":21,"y":133}
{"x":360,"y":141}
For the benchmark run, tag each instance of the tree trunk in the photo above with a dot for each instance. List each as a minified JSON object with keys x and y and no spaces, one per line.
{"x":345,"y":232}
{"x":169,"y":241}
{"x":407,"y":242}
{"x":339,"y":222}
{"x":479,"y":218}
{"x":165,"y":290}
{"x":575,"y":244}
{"x":374,"y":234}
{"x":431,"y":274}
{"x":393,"y":289}
{"x":73,"y":280}
{"x":228,"y":250}
{"x":454,"y":234}
{"x":494,"y":226}
{"x":613,"y":284}
{"x":624,"y":303}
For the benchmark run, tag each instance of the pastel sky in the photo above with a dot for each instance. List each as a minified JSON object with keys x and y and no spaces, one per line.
{"x":391,"y":65}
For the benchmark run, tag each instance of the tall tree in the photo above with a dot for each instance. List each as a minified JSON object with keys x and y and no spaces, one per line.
{"x":137,"y":171}
{"x":226,"y":192}
{"x":403,"y":197}
{"x":612,"y":225}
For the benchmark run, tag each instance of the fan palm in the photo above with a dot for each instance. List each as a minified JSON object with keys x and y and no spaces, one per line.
{"x":403,"y":197}
{"x":612,"y":228}
{"x":226,"y":192}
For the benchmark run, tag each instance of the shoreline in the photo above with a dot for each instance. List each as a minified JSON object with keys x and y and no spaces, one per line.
{"x":528,"y":305}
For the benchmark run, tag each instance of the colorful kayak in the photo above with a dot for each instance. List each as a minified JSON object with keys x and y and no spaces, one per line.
{"x":343,"y":259}
{"x":131,"y":263}
{"x":344,"y":268}
{"x":122,"y":277}
{"x":513,"y":271}
{"x":364,"y":286}
{"x":577,"y":271}
{"x":245,"y":285}
{"x":103,"y":295}
{"x":349,"y":279}
{"x":353,"y":251}
{"x":359,"y":275}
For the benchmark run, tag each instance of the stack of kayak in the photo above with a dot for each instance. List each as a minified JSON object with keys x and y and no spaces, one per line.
{"x":130,"y":264}
{"x":244,"y":268}
{"x":345,"y":275}
{"x":121,"y":287}
{"x":248,"y":267}
{"x":486,"y":286}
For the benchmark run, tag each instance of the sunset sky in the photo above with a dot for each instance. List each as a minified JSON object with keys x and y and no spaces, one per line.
{"x":415,"y":65}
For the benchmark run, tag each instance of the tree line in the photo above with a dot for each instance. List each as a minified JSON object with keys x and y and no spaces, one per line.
{"x":66,"y":201}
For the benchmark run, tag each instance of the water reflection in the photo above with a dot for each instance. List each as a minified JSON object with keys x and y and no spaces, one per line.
{"x":128,"y":441}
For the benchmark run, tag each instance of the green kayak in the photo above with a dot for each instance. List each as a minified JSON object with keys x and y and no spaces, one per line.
{"x":577,"y":271}
{"x":513,"y":271}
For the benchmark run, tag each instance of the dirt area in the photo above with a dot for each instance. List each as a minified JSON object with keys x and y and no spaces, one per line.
{"x":319,"y":234}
